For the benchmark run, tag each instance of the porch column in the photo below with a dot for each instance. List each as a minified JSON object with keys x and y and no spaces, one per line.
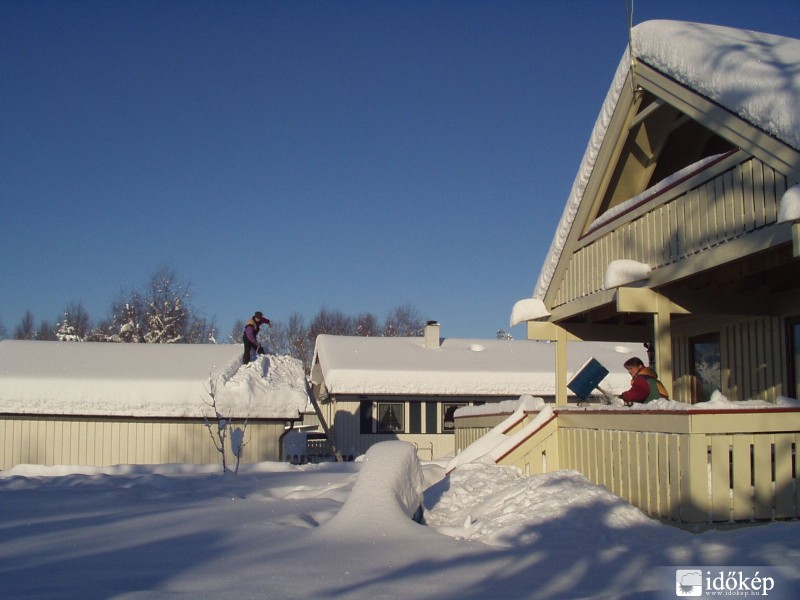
{"x":662,"y":337}
{"x":540,"y":330}
{"x":644,"y":300}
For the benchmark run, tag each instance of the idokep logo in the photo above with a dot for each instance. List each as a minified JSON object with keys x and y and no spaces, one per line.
{"x":711,"y":582}
{"x":688,"y":582}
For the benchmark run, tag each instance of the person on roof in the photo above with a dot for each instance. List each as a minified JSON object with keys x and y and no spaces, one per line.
{"x":250,"y":336}
{"x":645,"y":385}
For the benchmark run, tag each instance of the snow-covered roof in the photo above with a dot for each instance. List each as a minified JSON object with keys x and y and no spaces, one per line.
{"x":459,"y":367}
{"x":146,"y":380}
{"x":753,"y":75}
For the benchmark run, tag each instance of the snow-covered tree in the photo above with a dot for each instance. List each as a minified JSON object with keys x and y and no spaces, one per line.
{"x":168,"y":309}
{"x":128,"y":319}
{"x":65,"y":332}
{"x":74,"y":325}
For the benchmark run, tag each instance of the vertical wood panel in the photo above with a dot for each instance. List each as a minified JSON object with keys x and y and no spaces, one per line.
{"x":720,"y":476}
{"x":762,"y":473}
{"x":784,"y":484}
{"x":742,"y":487}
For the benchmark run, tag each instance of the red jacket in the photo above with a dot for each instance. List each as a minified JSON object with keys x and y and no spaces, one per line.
{"x":645,"y":386}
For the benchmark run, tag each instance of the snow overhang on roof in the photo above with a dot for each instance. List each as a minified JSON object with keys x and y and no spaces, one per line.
{"x":459,"y":367}
{"x":753,"y":75}
{"x":146,"y":380}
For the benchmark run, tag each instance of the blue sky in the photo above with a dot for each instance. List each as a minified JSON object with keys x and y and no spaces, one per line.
{"x":289,"y":156}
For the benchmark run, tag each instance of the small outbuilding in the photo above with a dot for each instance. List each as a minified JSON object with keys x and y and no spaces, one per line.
{"x":373,"y":389}
{"x":99,"y":404}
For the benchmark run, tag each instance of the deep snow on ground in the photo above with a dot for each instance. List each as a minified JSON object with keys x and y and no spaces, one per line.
{"x":283,"y":531}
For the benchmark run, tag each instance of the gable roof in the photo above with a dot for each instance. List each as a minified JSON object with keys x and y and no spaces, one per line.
{"x":145,"y":380}
{"x":755,"y":76}
{"x":459,"y":367}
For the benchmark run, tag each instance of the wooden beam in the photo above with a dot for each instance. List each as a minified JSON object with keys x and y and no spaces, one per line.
{"x":795,"y":239}
{"x":645,"y":300}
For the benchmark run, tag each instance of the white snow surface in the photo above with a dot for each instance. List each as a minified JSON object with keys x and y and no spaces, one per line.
{"x":403,"y":365}
{"x":527,"y":309}
{"x":146,"y":380}
{"x":790,"y":205}
{"x":753,"y":75}
{"x":624,"y":271}
{"x":341,"y":530}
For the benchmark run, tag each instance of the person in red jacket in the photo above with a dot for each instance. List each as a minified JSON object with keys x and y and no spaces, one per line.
{"x":250,"y":336}
{"x":645,"y":385}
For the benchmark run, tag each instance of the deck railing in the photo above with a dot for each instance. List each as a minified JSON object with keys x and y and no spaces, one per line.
{"x":693,"y":466}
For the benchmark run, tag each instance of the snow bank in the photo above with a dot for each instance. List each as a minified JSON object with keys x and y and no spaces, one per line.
{"x":386,"y":495}
{"x":146,"y":380}
{"x":497,"y":505}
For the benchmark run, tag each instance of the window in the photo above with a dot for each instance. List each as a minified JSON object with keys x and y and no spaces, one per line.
{"x":794,"y":357}
{"x":448,"y":416}
{"x":390,"y":417}
{"x":706,"y":370}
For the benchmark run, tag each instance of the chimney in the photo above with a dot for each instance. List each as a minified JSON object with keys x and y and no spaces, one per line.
{"x":432,"y":334}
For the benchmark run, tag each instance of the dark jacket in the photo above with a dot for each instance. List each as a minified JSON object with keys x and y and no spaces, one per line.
{"x":252,"y":327}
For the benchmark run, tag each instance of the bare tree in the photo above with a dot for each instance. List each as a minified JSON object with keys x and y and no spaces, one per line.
{"x":403,"y":321}
{"x":46,"y":332}
{"x":237,"y":331}
{"x":223,"y":434}
{"x":366,"y":324}
{"x":299,"y":343}
{"x":26,"y":330}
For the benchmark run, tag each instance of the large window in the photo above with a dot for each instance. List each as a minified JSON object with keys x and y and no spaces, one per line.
{"x":448,"y":416}
{"x":794,"y":357}
{"x":390,"y":417}
{"x":706,"y":369}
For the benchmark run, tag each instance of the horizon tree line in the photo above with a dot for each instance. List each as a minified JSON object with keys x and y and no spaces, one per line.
{"x":162,"y":313}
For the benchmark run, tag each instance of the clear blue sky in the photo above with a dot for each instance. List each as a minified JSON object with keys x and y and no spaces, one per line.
{"x":289,"y":156}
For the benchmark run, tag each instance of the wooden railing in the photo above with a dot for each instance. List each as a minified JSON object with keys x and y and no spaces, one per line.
{"x":726,"y":202}
{"x":686,"y":466}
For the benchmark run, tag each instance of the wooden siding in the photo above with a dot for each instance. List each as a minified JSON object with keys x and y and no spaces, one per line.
{"x":104,"y":442}
{"x":688,"y":467}
{"x":678,"y":224}
{"x":752,"y":356}
{"x":343,"y":418}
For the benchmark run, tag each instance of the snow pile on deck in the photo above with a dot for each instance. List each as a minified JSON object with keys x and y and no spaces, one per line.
{"x":499,"y":506}
{"x":145,"y":380}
